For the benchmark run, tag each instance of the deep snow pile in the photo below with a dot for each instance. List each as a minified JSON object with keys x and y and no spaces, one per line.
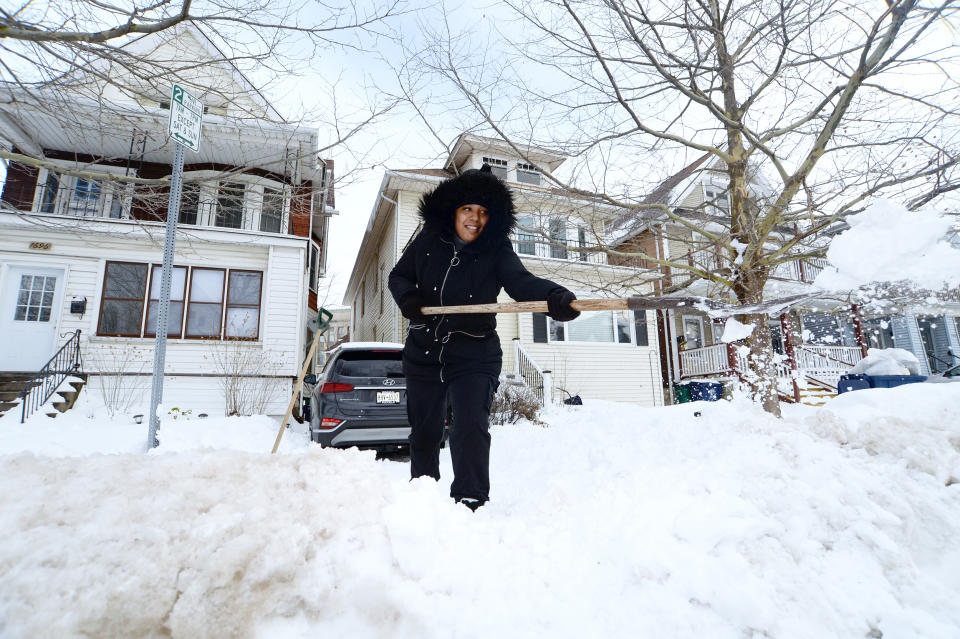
{"x":887,"y":361}
{"x":614,"y":521}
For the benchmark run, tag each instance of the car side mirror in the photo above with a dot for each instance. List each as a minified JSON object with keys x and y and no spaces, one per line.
{"x":310,"y":379}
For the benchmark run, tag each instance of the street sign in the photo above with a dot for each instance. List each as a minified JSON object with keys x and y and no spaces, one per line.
{"x":186,"y":116}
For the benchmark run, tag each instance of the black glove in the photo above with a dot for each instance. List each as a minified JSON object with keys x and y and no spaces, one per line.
{"x":410,"y":308}
{"x":558,"y":305}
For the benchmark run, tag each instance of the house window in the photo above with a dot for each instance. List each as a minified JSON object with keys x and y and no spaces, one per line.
{"x":526,"y":241}
{"x":380,"y":290}
{"x":85,"y":197}
{"x":363,"y":297}
{"x":178,"y":286}
{"x":497,"y":166}
{"x":35,"y":298}
{"x":693,"y":331}
{"x":121,"y":307}
{"x":243,"y":305}
{"x":271,"y":212}
{"x":205,"y":307}
{"x":230,"y":205}
{"x":48,"y":200}
{"x":558,"y":238}
{"x":189,"y":204}
{"x":527,"y":174}
{"x":610,"y":327}
{"x":582,"y":244}
{"x":314,"y":265}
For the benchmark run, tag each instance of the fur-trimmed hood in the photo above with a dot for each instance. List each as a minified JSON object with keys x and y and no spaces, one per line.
{"x":476,"y":186}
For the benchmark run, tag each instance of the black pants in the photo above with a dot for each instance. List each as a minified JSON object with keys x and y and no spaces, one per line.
{"x":470,"y":396}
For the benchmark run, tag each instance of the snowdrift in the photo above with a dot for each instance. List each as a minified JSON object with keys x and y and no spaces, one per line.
{"x":613,"y":521}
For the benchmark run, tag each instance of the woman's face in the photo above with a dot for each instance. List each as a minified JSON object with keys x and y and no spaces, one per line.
{"x":469,"y":220}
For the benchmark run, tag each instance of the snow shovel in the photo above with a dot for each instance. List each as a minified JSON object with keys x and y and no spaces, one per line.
{"x":323,"y":322}
{"x":712,"y":307}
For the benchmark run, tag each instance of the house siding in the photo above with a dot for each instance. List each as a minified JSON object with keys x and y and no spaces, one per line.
{"x":191,"y":365}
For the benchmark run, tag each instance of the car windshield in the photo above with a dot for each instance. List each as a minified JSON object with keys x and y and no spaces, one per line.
{"x":373,"y":363}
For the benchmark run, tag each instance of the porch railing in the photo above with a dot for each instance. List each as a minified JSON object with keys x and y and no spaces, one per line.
{"x":536,"y":378}
{"x":823,"y":362}
{"x":64,"y":363}
{"x":527,"y":244}
{"x":706,"y":360}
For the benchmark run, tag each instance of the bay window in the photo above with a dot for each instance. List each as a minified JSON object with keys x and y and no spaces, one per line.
{"x":121,"y":305}
{"x":178,"y":286}
{"x":205,"y":303}
{"x":243,"y":305}
{"x":271,"y":210}
{"x":609,"y":327}
{"x":205,"y":307}
{"x":230,"y":205}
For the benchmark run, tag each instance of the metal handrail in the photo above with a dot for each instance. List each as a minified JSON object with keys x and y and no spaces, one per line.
{"x":537,"y":379}
{"x":65,"y":361}
{"x":832,"y":359}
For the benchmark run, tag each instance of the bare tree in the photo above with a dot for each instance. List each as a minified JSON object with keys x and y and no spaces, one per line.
{"x":108,"y":64}
{"x":822,"y":103}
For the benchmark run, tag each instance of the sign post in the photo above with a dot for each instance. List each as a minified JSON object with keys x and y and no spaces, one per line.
{"x":186,"y":117}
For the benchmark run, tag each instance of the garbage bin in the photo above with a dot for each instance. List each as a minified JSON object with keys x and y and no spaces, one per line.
{"x":681,"y":393}
{"x":705,"y":391}
{"x":889,"y":381}
{"x":851,"y":383}
{"x":859,"y":382}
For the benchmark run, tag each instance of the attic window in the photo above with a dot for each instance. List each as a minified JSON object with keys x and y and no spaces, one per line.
{"x":499,"y":167}
{"x":527,"y":174}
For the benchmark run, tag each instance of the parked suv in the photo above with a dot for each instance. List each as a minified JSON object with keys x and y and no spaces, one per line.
{"x":360,"y":398}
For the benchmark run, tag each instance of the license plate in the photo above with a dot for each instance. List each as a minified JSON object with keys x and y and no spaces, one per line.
{"x":388,"y":397}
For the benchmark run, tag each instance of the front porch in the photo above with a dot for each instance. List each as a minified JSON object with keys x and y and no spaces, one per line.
{"x":815,"y":369}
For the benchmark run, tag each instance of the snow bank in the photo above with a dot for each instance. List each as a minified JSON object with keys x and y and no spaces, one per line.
{"x":888,"y":361}
{"x":614,"y":521}
{"x":888,"y":243}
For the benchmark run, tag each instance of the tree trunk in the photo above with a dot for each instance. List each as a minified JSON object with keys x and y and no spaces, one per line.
{"x":761,"y":374}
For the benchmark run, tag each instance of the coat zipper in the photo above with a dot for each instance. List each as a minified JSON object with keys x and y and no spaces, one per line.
{"x":454,"y":261}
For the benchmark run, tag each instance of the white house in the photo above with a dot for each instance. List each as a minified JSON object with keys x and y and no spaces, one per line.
{"x":823,"y":338}
{"x":81,"y":252}
{"x":601,"y":355}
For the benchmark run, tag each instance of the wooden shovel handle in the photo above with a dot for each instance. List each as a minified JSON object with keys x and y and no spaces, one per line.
{"x":611,"y":304}
{"x":634,"y":303}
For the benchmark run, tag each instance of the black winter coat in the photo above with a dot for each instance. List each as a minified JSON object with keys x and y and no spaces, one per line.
{"x":447,"y":346}
{"x":451,"y":345}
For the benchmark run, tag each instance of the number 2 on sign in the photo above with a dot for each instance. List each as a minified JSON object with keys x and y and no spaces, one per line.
{"x":178,"y":94}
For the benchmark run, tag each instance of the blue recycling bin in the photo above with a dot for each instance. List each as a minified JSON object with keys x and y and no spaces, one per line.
{"x":889,"y":381}
{"x":705,"y":391}
{"x":858,"y":382}
{"x":851,"y":383}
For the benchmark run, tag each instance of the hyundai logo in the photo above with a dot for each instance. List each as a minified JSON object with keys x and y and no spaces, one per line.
{"x":389,"y":382}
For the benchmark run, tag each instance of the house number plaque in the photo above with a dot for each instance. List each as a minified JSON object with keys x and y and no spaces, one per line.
{"x":41,"y":246}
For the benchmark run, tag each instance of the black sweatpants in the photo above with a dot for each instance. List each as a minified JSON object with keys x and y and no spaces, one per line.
{"x":470,"y":396}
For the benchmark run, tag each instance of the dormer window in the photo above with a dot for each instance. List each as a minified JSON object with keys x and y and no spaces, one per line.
{"x":527,"y":174}
{"x":498,"y":166}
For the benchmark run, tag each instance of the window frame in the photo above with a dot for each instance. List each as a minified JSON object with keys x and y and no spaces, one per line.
{"x":110,"y":196}
{"x":523,"y":168}
{"x":104,"y":298}
{"x":183,"y":311}
{"x":632,"y":341}
{"x":497,"y":164}
{"x":683,"y":325}
{"x":221,"y":192}
{"x":186,"y":321}
{"x":227,"y":305}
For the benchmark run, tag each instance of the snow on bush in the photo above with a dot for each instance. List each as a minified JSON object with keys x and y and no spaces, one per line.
{"x":888,"y":361}
{"x":888,"y":243}
{"x":514,"y":401}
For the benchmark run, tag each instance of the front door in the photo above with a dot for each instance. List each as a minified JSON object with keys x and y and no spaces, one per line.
{"x":30,"y":300}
